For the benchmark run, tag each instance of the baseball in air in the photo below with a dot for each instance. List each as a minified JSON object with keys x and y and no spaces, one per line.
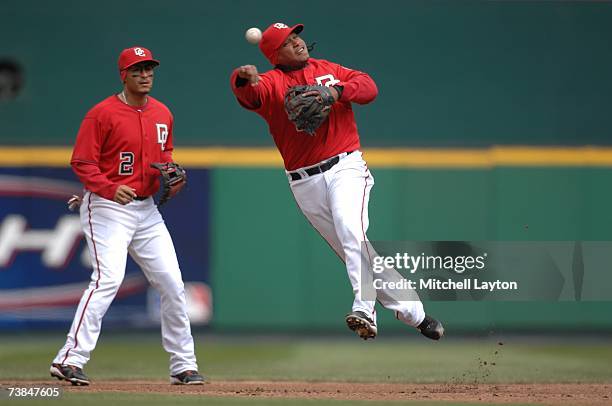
{"x":253,"y":35}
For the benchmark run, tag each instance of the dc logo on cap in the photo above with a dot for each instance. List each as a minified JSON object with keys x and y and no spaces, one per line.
{"x":139,"y":52}
{"x":280,"y":26}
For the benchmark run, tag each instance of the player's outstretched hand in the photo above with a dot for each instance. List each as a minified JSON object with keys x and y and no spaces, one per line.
{"x":249,"y":72}
{"x":124,"y":194}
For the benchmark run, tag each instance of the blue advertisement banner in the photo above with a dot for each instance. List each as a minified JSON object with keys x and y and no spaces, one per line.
{"x":45,"y":265}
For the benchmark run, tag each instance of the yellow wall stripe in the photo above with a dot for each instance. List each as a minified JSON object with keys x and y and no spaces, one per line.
{"x":376,"y":157}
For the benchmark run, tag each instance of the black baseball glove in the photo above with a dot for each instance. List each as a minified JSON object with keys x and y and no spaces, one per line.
{"x":308,"y":106}
{"x":173,"y":179}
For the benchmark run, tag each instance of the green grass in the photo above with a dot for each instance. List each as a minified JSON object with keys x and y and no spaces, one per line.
{"x":519,"y":360}
{"x":104,"y":399}
{"x":382,"y":360}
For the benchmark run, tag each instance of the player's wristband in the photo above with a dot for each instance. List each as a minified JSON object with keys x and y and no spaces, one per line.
{"x":339,"y":89}
{"x":240,"y":82}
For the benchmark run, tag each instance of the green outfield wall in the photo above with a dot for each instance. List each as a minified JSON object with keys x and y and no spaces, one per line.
{"x":450,"y":72}
{"x":266,"y":259}
{"x":270,"y":271}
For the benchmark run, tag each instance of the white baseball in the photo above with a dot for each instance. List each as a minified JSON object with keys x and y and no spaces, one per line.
{"x":253,"y":35}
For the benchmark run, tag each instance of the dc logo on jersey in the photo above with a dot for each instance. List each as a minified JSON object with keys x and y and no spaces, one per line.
{"x":139,"y":52}
{"x":326,"y":80}
{"x":162,"y":134}
{"x":280,"y":26}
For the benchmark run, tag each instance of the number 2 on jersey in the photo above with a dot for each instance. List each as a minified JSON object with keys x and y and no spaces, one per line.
{"x":126,"y":164}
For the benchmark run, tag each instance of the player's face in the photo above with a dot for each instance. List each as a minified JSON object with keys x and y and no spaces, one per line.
{"x":293,"y":51}
{"x":139,"y":77}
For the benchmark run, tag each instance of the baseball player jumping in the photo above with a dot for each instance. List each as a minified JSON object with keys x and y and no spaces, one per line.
{"x":307,"y":105}
{"x":117,"y":142}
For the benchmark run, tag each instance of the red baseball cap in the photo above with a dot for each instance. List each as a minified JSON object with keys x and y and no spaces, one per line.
{"x":134,"y":55}
{"x":274,"y":36}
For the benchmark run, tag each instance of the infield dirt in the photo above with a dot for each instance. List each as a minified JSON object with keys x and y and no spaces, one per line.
{"x":546,"y":394}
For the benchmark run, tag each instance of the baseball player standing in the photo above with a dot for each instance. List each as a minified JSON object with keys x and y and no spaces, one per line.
{"x":329,"y":179}
{"x":117,"y":142}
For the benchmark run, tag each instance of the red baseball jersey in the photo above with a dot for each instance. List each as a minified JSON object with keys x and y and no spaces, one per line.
{"x":336,"y":135}
{"x":117,"y":143}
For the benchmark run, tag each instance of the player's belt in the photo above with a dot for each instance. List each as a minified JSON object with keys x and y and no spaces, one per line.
{"x":314,"y":170}
{"x":141,"y":197}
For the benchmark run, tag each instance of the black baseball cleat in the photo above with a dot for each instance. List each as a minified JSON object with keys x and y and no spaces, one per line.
{"x":431,"y":328}
{"x":187,"y":378}
{"x":361,"y":324}
{"x":70,"y":373}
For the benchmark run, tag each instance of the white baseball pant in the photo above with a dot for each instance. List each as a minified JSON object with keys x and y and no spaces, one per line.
{"x":112,"y":231}
{"x":336,"y":204}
